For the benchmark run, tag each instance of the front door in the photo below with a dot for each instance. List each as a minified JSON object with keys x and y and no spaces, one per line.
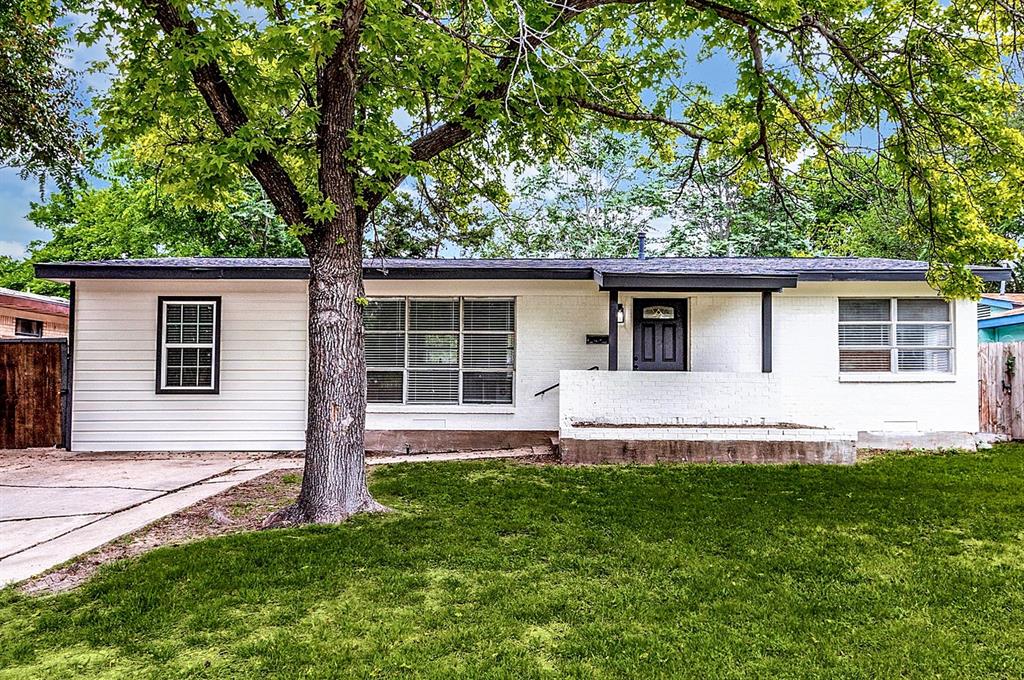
{"x":659,"y":335}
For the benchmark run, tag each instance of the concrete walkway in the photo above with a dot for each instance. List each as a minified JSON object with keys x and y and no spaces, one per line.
{"x":56,"y":505}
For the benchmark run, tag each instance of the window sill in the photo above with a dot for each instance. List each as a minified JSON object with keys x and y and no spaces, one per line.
{"x":441,"y":408}
{"x":897,"y":377}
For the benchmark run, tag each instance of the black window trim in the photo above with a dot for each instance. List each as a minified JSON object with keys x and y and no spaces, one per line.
{"x":161,"y":302}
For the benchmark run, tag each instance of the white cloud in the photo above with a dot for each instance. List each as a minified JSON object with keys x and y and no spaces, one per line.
{"x":12,"y":249}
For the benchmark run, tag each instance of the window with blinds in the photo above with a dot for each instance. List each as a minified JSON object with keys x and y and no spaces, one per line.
{"x":187,"y":355}
{"x":440,"y":350}
{"x":895,"y":335}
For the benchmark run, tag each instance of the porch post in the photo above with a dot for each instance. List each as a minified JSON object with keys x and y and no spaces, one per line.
{"x":766,"y":331}
{"x":613,"y":330}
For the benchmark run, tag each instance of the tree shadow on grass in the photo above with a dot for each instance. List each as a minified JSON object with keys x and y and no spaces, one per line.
{"x":905,"y":564}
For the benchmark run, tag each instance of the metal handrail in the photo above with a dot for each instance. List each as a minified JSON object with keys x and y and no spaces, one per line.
{"x":548,"y":389}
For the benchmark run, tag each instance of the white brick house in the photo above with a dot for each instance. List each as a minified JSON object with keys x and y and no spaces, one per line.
{"x":661,"y":358}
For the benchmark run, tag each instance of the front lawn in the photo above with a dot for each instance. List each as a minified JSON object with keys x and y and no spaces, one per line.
{"x":907,"y":565}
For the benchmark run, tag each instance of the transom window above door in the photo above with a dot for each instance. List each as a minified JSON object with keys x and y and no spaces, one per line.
{"x":440,"y":350}
{"x":659,"y":312}
{"x":895,"y":335}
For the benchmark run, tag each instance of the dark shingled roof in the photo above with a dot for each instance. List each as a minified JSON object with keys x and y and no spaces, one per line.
{"x":804,"y":268}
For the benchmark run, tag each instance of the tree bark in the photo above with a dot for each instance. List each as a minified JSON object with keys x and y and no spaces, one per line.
{"x":334,"y":482}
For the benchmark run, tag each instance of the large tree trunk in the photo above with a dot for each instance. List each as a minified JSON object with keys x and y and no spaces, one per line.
{"x":334,"y":482}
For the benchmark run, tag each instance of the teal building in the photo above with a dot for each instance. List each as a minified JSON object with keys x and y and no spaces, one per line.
{"x":1000,"y":319}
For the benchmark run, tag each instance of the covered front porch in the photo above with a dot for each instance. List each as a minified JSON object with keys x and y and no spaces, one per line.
{"x":690,"y":377}
{"x":651,"y":319}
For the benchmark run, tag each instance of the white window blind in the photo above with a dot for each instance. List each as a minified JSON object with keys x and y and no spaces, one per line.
{"x":440,"y":350}
{"x":188,"y":345}
{"x":895,"y":335}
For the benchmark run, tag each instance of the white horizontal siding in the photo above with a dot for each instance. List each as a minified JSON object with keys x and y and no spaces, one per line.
{"x":262,"y":402}
{"x":262,"y":399}
{"x":129,"y":403}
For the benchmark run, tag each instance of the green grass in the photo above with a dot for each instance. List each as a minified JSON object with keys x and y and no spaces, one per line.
{"x":907,"y":565}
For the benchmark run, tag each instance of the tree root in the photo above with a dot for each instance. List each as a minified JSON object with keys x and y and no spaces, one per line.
{"x":296,"y":515}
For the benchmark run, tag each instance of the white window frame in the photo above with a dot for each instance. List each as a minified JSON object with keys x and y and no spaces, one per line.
{"x":894,"y":347}
{"x":19,"y":334}
{"x":459,"y":368}
{"x":162,"y":346}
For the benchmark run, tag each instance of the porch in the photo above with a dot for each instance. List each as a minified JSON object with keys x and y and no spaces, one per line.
{"x":690,"y":377}
{"x":653,"y":316}
{"x":651,"y":416}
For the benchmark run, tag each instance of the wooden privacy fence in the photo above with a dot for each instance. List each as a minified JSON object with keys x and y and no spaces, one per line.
{"x":33,"y":393}
{"x":1001,"y":387}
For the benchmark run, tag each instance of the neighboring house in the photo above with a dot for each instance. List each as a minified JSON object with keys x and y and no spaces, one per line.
{"x":1001,"y":317}
{"x":754,"y":359}
{"x":27,"y":315}
{"x":997,"y":303}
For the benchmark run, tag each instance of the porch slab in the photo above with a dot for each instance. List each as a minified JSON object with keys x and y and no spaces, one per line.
{"x":908,"y":441}
{"x":744,"y":433}
{"x":646,"y":451}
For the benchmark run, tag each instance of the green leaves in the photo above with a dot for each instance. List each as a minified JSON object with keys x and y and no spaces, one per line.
{"x":136,"y":217}
{"x":925,"y":87}
{"x":40,"y":130}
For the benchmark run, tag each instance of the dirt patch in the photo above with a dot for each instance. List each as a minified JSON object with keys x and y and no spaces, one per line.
{"x":241,"y":508}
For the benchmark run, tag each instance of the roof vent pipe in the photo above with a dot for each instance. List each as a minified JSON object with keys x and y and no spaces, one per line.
{"x":642,"y":245}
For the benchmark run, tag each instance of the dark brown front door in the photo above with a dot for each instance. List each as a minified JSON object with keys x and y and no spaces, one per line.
{"x":659,"y":335}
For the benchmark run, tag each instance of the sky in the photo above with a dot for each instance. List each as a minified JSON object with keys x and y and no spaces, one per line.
{"x":17,"y":194}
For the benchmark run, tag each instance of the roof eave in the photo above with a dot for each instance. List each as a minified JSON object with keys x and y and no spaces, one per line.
{"x":434,"y":273}
{"x":47,"y":307}
{"x":693,"y":282}
{"x":58,"y":271}
{"x":999,"y":321}
{"x":991,"y":274}
{"x":997,"y":302}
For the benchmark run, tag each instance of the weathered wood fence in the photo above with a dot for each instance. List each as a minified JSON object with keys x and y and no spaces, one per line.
{"x":33,"y":393}
{"x":1001,"y":387}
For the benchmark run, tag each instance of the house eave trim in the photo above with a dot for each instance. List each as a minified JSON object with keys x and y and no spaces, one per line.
{"x":605,"y":280}
{"x":695,"y":283}
{"x":69,"y":272}
{"x":983,"y":273}
{"x":1000,"y":321}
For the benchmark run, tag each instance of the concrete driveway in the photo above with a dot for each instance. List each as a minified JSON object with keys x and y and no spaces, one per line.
{"x":55,"y":505}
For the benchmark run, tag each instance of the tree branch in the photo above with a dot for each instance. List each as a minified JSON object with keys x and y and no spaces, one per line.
{"x":638,"y":116}
{"x":452,"y":133}
{"x":231,"y":117}
{"x":336,"y":95}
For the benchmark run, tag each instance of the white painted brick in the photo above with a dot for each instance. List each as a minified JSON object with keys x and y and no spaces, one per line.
{"x":724,"y":387}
